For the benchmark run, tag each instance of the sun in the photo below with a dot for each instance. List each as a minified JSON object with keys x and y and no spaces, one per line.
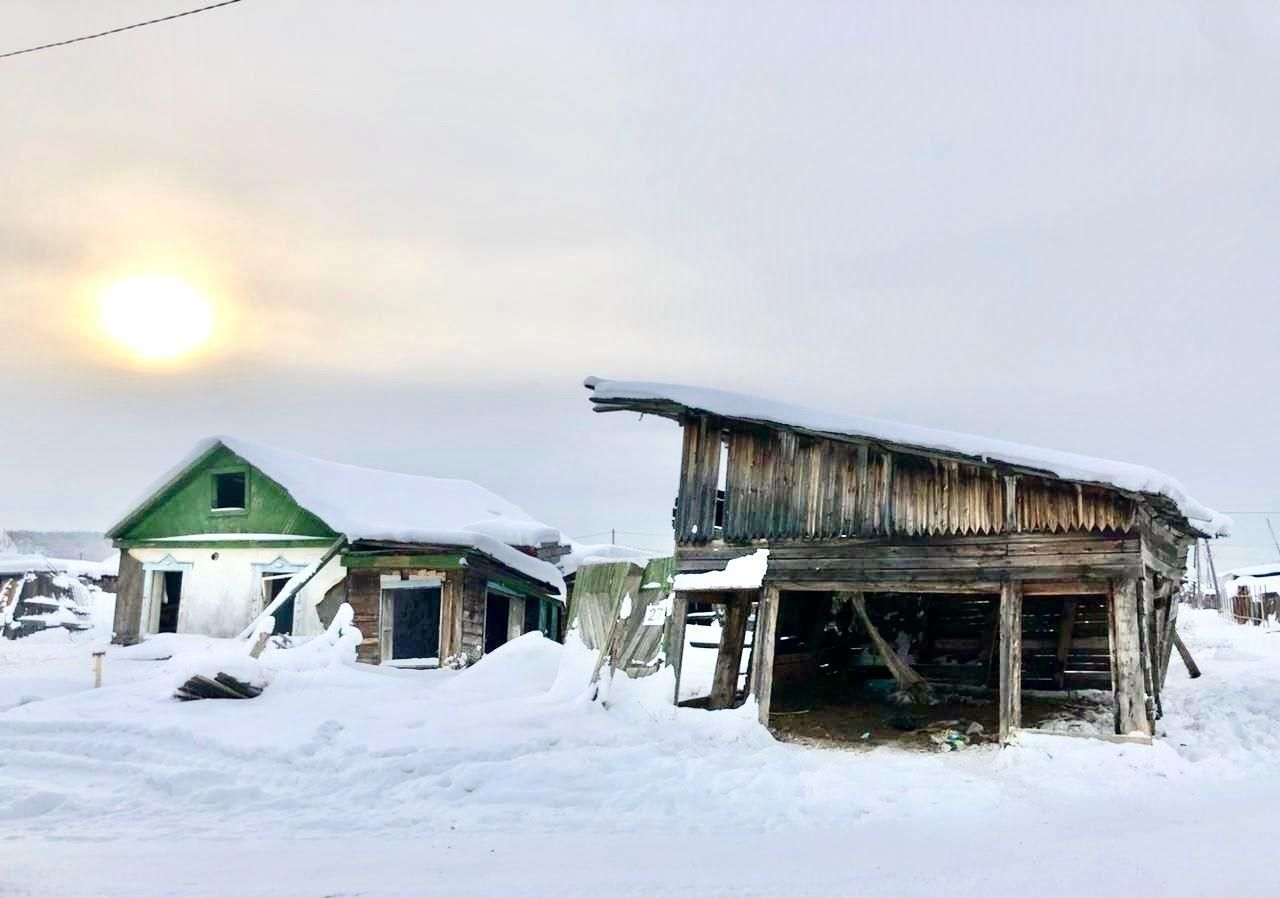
{"x":157,"y":319}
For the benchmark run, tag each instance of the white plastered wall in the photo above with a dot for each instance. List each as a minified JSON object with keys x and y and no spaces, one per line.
{"x":221,"y":595}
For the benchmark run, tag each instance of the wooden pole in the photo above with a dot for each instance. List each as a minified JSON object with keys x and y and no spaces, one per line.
{"x":97,"y":669}
{"x":733,"y":633}
{"x":909,"y":682}
{"x":1223,"y":604}
{"x":1146,"y":596}
{"x":1192,"y":668}
{"x":1010,"y":659}
{"x":762,"y":647}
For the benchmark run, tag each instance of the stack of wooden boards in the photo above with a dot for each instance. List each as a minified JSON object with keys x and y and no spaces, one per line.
{"x":221,"y":686}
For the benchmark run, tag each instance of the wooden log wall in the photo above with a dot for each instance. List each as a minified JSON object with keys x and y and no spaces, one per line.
{"x":128,"y":614}
{"x":699,"y":481}
{"x":783,"y":485}
{"x":364,"y":595}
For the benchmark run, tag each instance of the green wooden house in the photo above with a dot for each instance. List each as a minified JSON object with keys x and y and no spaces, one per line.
{"x":435,"y":569}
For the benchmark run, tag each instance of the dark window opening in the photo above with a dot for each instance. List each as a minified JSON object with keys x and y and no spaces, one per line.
{"x":531,"y":614}
{"x":170,"y":598}
{"x":496,"y":616}
{"x":229,"y":490}
{"x":273,"y":585}
{"x":415,"y":623}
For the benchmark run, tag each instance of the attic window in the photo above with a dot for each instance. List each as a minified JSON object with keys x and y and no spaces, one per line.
{"x":229,"y":491}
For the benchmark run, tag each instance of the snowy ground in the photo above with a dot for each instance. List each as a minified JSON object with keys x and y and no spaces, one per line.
{"x":346,"y":780}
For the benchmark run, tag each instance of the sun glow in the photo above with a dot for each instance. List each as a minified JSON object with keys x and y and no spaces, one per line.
{"x":157,"y":319}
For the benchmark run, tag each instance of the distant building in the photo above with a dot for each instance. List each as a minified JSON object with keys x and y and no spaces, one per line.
{"x":436,"y":570}
{"x":40,"y":593}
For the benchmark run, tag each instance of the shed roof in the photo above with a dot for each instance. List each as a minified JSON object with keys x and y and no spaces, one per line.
{"x":370,"y":504}
{"x":674,"y":400}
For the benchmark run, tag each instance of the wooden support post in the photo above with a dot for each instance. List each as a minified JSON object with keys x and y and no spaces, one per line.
{"x":1010,"y":659}
{"x":1146,"y":597}
{"x":1192,"y":668}
{"x":97,"y":669}
{"x":675,"y":638}
{"x":733,"y":633}
{"x":762,"y":650}
{"x":1126,"y":660}
{"x":1166,"y":638}
{"x":1066,"y":628}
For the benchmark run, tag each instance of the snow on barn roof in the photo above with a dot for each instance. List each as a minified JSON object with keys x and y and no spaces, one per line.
{"x":582,"y":555}
{"x":609,"y":394}
{"x":371,"y":504}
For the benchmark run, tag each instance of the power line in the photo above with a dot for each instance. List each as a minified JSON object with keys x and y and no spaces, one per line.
{"x":89,"y":37}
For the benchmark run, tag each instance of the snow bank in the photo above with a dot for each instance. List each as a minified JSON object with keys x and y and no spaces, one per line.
{"x":1066,"y":465}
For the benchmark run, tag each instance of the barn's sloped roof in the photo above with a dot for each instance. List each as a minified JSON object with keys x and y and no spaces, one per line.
{"x":676,"y":398}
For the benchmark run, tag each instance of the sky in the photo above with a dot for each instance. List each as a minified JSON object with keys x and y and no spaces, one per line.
{"x":421,"y":225}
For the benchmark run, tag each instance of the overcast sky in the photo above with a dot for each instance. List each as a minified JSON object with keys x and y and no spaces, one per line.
{"x":423,"y":224}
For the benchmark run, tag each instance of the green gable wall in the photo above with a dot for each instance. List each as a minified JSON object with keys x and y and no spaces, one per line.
{"x":185,"y":507}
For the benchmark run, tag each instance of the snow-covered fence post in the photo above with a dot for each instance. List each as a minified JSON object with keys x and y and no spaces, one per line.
{"x":97,"y":669}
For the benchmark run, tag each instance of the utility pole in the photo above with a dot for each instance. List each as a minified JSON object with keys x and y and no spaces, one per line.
{"x":1197,"y":600}
{"x":1224,"y":607}
{"x":613,"y":536}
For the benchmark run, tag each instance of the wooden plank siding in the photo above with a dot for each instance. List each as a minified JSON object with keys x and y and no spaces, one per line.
{"x":952,"y":560}
{"x":783,"y":485}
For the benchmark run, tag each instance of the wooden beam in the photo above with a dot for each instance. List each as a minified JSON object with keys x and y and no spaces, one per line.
{"x":733,"y":633}
{"x":1166,"y":640}
{"x":1066,"y":628}
{"x":1192,"y":668}
{"x":1010,"y":660}
{"x":675,"y":638}
{"x":1066,"y":588}
{"x":1146,"y":631}
{"x":762,"y":647}
{"x":1126,"y":653}
{"x":909,"y":682}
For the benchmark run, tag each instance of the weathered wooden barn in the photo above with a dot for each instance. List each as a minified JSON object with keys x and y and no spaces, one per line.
{"x":987,"y":564}
{"x":436,"y":570}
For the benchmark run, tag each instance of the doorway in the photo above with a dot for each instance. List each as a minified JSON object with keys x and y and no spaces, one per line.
{"x":497,"y":611}
{"x":415,"y":623}
{"x":170,"y":599}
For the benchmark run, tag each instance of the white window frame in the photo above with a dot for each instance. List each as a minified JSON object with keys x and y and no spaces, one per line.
{"x":280,"y":565}
{"x":389,"y":584}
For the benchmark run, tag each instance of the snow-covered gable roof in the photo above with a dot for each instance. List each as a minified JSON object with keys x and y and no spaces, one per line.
{"x":370,"y":504}
{"x":1066,"y":465}
{"x":1258,"y":571}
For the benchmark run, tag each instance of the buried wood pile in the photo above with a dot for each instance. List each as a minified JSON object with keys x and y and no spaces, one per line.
{"x":221,"y":686}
